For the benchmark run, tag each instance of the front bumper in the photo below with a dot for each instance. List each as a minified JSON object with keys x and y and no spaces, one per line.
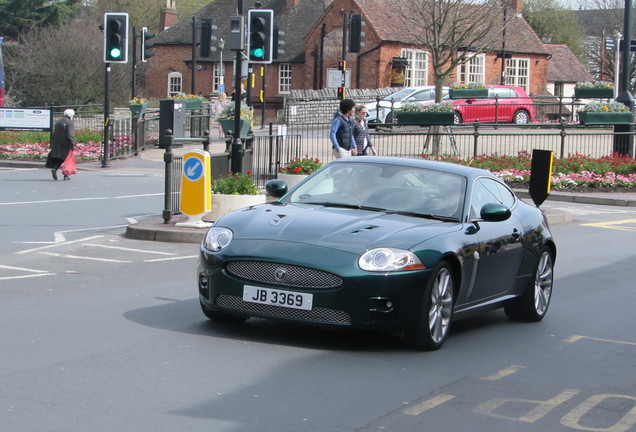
{"x":359,"y":299}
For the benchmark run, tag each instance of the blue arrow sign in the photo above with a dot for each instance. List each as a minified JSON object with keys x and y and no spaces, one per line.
{"x":193,"y":169}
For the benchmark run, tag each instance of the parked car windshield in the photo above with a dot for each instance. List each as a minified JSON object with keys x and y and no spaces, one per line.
{"x":382,"y":187}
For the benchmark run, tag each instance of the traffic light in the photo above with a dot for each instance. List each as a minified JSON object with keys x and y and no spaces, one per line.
{"x":207,"y":37}
{"x":342,"y":93}
{"x":260,"y":27}
{"x":356,"y":34}
{"x":146,"y":44}
{"x":278,"y":44}
{"x":116,"y":37}
{"x":342,"y":65}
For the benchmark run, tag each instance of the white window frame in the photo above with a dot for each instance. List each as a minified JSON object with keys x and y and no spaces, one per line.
{"x":473,"y":71}
{"x":284,"y":78}
{"x":216,"y":77}
{"x":416,"y":73}
{"x":175,"y":83}
{"x":518,"y":73}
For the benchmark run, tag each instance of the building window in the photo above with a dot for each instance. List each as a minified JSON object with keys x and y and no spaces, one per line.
{"x":473,"y":71}
{"x":175,"y":83}
{"x":417,"y":69}
{"x":284,"y":77}
{"x":217,"y":78}
{"x":518,"y":72}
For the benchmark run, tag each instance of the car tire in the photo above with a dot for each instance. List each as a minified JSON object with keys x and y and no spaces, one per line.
{"x":219,"y":316}
{"x":433,"y":324}
{"x":521,"y":117}
{"x":533,"y":304}
{"x":457,"y":118}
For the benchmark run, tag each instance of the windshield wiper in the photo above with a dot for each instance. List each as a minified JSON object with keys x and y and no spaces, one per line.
{"x":425,"y":216}
{"x":346,"y":205}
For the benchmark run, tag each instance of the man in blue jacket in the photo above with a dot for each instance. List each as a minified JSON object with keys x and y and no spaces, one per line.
{"x":341,"y":132}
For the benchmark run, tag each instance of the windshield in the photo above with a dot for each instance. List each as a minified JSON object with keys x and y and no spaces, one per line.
{"x":399,"y":95}
{"x":382,"y":187}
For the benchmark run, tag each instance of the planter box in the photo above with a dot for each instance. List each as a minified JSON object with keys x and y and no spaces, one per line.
{"x":591,"y":93}
{"x":291,"y":179}
{"x":468,"y":93}
{"x":192,"y":104}
{"x":605,"y":118}
{"x":228,"y":127}
{"x":222,"y":204}
{"x":138,"y":110}
{"x":425,"y":118}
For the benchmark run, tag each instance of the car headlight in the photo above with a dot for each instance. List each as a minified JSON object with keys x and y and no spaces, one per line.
{"x":217,"y":239}
{"x":389,"y":259}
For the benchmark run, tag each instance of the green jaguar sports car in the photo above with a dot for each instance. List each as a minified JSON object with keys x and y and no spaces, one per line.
{"x":381,"y":243}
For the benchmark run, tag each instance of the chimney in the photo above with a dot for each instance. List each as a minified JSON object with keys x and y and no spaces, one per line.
{"x":516,"y":5}
{"x":168,"y":15}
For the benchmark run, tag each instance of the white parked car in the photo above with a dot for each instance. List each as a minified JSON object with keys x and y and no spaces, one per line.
{"x":383,"y":111}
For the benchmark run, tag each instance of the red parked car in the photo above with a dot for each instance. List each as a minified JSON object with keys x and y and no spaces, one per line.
{"x":504,"y":104}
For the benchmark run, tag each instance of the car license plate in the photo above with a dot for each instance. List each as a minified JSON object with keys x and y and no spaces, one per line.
{"x":274,"y":297}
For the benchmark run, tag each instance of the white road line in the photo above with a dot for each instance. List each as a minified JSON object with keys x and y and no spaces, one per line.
{"x":22,"y":269}
{"x":170,"y":259}
{"x":58,"y":244}
{"x":84,"y":258}
{"x":60,"y":237}
{"x":26,"y":276}
{"x":80,"y":199}
{"x":129,"y":249}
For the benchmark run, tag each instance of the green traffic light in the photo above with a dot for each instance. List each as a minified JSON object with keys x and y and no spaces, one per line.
{"x":115,"y":53}
{"x":258,"y":52}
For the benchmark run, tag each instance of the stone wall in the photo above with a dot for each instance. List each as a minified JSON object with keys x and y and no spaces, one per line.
{"x":319,"y":106}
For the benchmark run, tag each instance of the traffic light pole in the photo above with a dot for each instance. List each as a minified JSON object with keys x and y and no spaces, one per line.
{"x":237,"y":145}
{"x":624,"y":134}
{"x":134,"y":63}
{"x":105,"y":157}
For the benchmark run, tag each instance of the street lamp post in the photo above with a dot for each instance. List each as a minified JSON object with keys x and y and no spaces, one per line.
{"x":221,"y":87}
{"x":624,"y":134}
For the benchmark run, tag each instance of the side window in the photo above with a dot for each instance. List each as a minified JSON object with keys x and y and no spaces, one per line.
{"x":424,"y":95}
{"x":488,"y":191}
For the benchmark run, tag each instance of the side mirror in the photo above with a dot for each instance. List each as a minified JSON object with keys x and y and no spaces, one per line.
{"x":495,"y":213}
{"x":276,"y":188}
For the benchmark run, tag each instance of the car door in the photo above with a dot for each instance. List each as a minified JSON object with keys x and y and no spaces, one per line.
{"x":507,"y":101}
{"x":477,"y":109}
{"x":500,"y":248}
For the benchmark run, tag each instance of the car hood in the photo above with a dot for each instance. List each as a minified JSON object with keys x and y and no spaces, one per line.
{"x":337,"y":228}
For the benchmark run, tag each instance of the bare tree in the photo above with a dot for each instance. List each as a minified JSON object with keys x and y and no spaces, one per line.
{"x":63,"y":66}
{"x":452,"y":31}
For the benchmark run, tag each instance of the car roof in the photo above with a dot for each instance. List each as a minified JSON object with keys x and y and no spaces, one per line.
{"x":449,"y":167}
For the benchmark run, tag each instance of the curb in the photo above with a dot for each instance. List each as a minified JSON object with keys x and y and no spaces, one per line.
{"x":156,"y":230}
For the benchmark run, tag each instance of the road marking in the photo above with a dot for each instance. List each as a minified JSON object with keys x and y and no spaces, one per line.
{"x":428,"y":404}
{"x":170,"y":259}
{"x":129,"y":249}
{"x":23,"y":269}
{"x":58,"y":244}
{"x":617,"y":225}
{"x":27,"y":276}
{"x":84,"y":258}
{"x":540,"y":410}
{"x":80,"y":199}
{"x":577,"y":338}
{"x":513,"y":369}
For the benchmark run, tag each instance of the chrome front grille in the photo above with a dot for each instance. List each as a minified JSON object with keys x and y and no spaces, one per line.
{"x":329,"y":316}
{"x":283,"y":274}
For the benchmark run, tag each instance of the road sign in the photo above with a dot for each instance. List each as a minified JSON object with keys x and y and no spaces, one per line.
{"x":196,"y":185}
{"x":610,"y":44}
{"x":632,"y":45}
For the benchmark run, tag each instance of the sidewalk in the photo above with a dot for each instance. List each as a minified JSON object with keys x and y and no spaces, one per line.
{"x":151,"y":162}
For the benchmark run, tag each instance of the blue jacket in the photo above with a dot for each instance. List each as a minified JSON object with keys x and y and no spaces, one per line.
{"x":341,"y":132}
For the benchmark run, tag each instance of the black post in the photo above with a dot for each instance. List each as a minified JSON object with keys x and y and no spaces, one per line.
{"x":624,"y":134}
{"x":105,"y":156}
{"x":236,"y":165}
{"x":167,"y":195}
{"x":133,"y":81}
{"x":194,"y":56}
{"x":502,"y":80}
